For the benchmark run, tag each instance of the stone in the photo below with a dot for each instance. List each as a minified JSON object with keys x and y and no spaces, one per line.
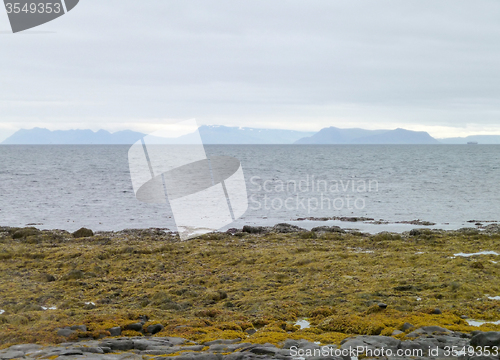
{"x":372,"y":342}
{"x":118,"y":344}
{"x":154,"y":329}
{"x":490,"y":338}
{"x":93,"y":350}
{"x":11,"y":354}
{"x":437,"y":311}
{"x":261,"y":350}
{"x":81,"y":328}
{"x":221,"y":341}
{"x":382,"y":305}
{"x":255,"y":229}
{"x":284,"y":228}
{"x":407,"y":326}
{"x":135,"y":327}
{"x":331,"y":229}
{"x":250,"y":331}
{"x":289,"y":343}
{"x":396,"y":332}
{"x":24,"y":233}
{"x":66,"y":332}
{"x":83,"y":232}
{"x":115,"y":331}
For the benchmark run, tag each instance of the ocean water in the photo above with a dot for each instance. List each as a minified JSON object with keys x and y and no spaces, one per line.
{"x":68,"y":187}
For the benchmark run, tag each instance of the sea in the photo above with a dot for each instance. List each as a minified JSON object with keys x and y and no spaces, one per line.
{"x":382,"y":187}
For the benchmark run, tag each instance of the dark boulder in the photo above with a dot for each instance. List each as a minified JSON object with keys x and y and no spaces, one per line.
{"x":83,"y":232}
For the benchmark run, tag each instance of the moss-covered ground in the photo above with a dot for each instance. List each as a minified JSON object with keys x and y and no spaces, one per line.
{"x":219,"y":285}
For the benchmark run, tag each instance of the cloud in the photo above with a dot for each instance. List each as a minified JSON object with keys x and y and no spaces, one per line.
{"x":290,"y":64}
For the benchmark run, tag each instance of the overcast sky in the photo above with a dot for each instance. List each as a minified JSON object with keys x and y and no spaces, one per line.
{"x":304,"y":65}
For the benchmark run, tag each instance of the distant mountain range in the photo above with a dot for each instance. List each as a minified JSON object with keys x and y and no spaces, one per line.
{"x":215,"y":134}
{"x":333,"y":135}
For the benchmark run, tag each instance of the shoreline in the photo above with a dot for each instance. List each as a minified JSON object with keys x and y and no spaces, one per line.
{"x":362,"y":224}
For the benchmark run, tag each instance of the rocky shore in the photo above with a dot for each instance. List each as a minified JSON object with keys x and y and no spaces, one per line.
{"x":239,"y":294}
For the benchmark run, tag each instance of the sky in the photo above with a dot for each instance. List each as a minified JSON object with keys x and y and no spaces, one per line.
{"x":304,"y":65}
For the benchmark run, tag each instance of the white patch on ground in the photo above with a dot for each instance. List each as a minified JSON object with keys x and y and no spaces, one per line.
{"x":89,"y":303}
{"x":478,"y":323}
{"x":494,"y":297}
{"x":304,"y":324}
{"x":49,"y":308}
{"x":1,"y":311}
{"x":475,"y":254}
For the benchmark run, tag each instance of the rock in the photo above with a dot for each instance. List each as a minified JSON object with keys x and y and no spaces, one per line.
{"x":92,"y":350}
{"x":11,"y":354}
{"x":250,"y":331}
{"x":437,"y":311}
{"x":407,"y":326}
{"x":154,"y":329}
{"x":261,"y":350}
{"x":66,"y":332}
{"x":255,"y":229}
{"x":175,"y":340}
{"x":83,"y":232}
{"x":396,"y":332}
{"x":336,"y":229}
{"x":382,"y":305}
{"x":24,"y":233}
{"x":428,"y":330}
{"x":490,"y":338}
{"x":81,"y":328}
{"x":290,"y":343}
{"x":221,"y":341}
{"x":135,"y":327}
{"x":372,"y":342}
{"x":115,"y":331}
{"x":118,"y":344}
{"x":284,"y":228}
{"x":71,"y":352}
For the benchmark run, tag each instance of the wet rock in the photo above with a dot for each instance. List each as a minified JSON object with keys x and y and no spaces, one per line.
{"x":382,"y":305}
{"x":437,"y":311}
{"x":154,"y":329}
{"x":490,"y":338}
{"x":83,"y":232}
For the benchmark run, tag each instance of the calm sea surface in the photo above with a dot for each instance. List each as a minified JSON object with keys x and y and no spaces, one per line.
{"x":69,"y":187}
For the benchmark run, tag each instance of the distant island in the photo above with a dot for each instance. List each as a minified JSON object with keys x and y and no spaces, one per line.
{"x":217,"y":134}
